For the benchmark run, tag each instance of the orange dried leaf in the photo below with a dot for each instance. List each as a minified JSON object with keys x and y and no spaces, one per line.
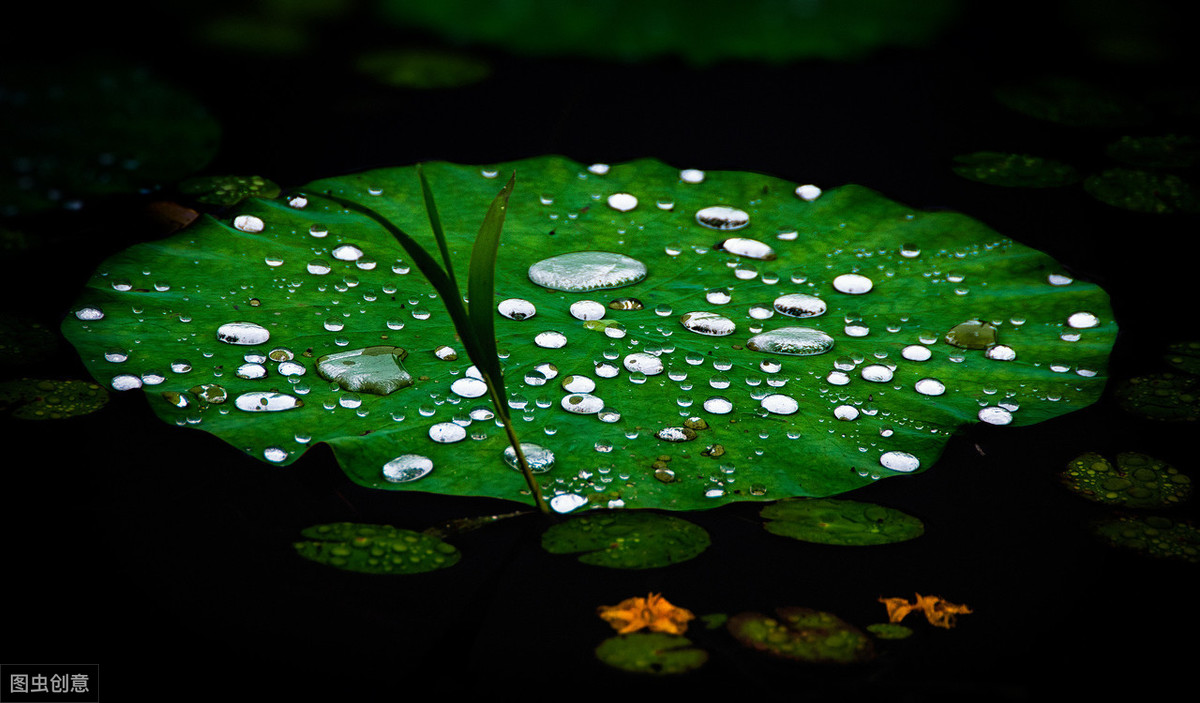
{"x":653,"y":612}
{"x":939,"y":612}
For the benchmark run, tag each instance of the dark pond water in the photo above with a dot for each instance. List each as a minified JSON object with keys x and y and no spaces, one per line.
{"x":165,"y":556}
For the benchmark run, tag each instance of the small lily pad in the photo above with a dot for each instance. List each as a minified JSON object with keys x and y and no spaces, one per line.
{"x":651,"y":653}
{"x":1143,"y":191}
{"x":803,"y":634}
{"x":41,"y":399}
{"x":375,"y":549}
{"x":1154,"y":536}
{"x":1014,"y":170}
{"x":627,"y":540}
{"x":840,"y":522}
{"x":890,"y":630}
{"x":1168,"y":151}
{"x":1134,"y":481}
{"x":223,"y":191}
{"x":1165,"y":396}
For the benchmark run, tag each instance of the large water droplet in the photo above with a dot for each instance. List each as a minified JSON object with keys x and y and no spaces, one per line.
{"x":749,"y":248}
{"x":852,"y":284}
{"x":800,"y":305}
{"x":877,"y":373}
{"x":994,"y":415}
{"x":369,"y":370}
{"x":587,"y":270}
{"x":916,"y":352}
{"x":447,"y":432}
{"x":468,"y":387}
{"x":641,"y":362}
{"x":1083,"y":320}
{"x":780,"y":404}
{"x":550,"y":339}
{"x":708,"y":323}
{"x":808,"y":192}
{"x":516,"y":309}
{"x":718,"y":405}
{"x":407,"y":467}
{"x":723,"y":218}
{"x":582,"y":404}
{"x":539,"y":458}
{"x":930,"y":386}
{"x":792,"y":341}
{"x":248,"y":223}
{"x":347,"y":252}
{"x":266,"y":401}
{"x":566,"y":502}
{"x":242,"y":333}
{"x":587,"y":310}
{"x":622,"y":202}
{"x":899,"y":461}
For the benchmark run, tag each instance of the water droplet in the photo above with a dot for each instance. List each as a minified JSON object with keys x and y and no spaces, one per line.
{"x":445,"y":353}
{"x":852,"y":284}
{"x":291,"y":368}
{"x":676,"y":434}
{"x":598,"y":169}
{"x":266,"y":401}
{"x":780,"y":404}
{"x":248,"y":223}
{"x":578,"y":384}
{"x":994,"y":415}
{"x":808,"y":192}
{"x":587,"y":270}
{"x":910,"y":251}
{"x":626,"y":304}
{"x":972,"y":334}
{"x":899,"y":461}
{"x":642,"y":362}
{"x":242,"y":333}
{"x":916,"y":352}
{"x":1083,"y":320}
{"x":539,"y":458}
{"x":587,"y":310}
{"x":718,"y":296}
{"x":566,"y":502}
{"x":691,"y":175}
{"x":251,"y":371}
{"x":718,"y":405}
{"x":792,"y":341}
{"x":89,"y":313}
{"x":1001,"y":352}
{"x":275,"y":454}
{"x":447,"y":432}
{"x":582,"y":404}
{"x":125,"y":382}
{"x":369,"y":370}
{"x":847,"y":413}
{"x":800,"y":305}
{"x":723,"y":218}
{"x":877,"y":373}
{"x":749,"y":248}
{"x":622,"y":202}
{"x":407,"y":467}
{"x":516,"y":309}
{"x":1059,"y":279}
{"x":468,"y":387}
{"x":708,"y":323}
{"x":930,"y":386}
{"x":550,"y":340}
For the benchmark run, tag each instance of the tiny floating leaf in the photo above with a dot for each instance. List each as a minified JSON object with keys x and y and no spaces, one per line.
{"x":375,"y":549}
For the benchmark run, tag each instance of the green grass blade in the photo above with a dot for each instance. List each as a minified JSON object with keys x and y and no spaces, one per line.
{"x":435,"y":223}
{"x":481,"y":285}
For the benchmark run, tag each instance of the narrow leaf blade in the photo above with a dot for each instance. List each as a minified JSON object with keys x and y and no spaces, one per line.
{"x":435,"y":223}
{"x":481,"y":284}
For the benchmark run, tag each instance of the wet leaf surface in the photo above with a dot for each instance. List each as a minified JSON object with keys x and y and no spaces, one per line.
{"x":1153,"y":536}
{"x":50,"y":399}
{"x":651,"y":653}
{"x":627,"y":540}
{"x":375,"y":549}
{"x":927,"y":322}
{"x":1134,"y":480}
{"x":840,"y":522}
{"x":803,"y":633}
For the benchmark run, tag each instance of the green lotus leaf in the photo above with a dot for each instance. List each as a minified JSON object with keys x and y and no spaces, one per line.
{"x":375,"y":549}
{"x":670,"y":339}
{"x":1166,"y":396}
{"x":804,"y":634}
{"x":1014,"y":170}
{"x":1135,"y":480}
{"x":1143,"y":191}
{"x":700,"y":31}
{"x":627,"y":540}
{"x":49,"y":399}
{"x":94,"y":129}
{"x":841,"y":522}
{"x":224,"y":191}
{"x":1155,"y":536}
{"x":1171,"y":150}
{"x":651,"y":653}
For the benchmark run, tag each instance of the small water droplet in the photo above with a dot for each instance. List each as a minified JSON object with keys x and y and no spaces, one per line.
{"x":808,"y":192}
{"x":550,"y":339}
{"x":972,"y":334}
{"x":749,"y":248}
{"x":708,"y":323}
{"x":691,"y":175}
{"x":468,"y":387}
{"x":721,"y":217}
{"x":718,"y":405}
{"x":853,"y":284}
{"x":516,"y":309}
{"x":622,"y":202}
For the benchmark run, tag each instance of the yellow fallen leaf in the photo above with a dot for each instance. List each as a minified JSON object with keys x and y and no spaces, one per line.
{"x":939,"y":612}
{"x":653,"y":612}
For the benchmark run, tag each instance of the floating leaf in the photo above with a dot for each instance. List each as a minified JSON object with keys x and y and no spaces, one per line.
{"x":93,"y":129}
{"x":635,"y":29}
{"x":375,"y":549}
{"x":1014,"y":170}
{"x":224,"y":191}
{"x":1135,"y":481}
{"x":787,"y":402}
{"x":1171,"y":150}
{"x":890,"y":631}
{"x":1154,"y":536}
{"x":422,"y":68}
{"x":627,"y":540}
{"x":1165,"y":396}
{"x":840,"y":522}
{"x":1143,"y":191}
{"x":1185,"y":356}
{"x":41,"y":399}
{"x":804,"y":634}
{"x":651,"y":653}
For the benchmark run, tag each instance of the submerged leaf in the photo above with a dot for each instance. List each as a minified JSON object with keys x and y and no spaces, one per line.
{"x":1155,"y":536}
{"x":375,"y":549}
{"x":841,"y":522}
{"x":627,"y":540}
{"x":1135,"y":481}
{"x":791,"y":398}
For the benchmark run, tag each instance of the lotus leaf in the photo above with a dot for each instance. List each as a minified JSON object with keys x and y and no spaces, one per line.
{"x":1155,"y":536}
{"x":1134,"y":481}
{"x":805,"y":634}
{"x":691,"y":339}
{"x":841,"y":522}
{"x":651,"y":653}
{"x":622,"y":540}
{"x":375,"y":549}
{"x":1014,"y":170}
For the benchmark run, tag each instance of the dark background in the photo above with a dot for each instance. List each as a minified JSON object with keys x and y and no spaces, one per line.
{"x":165,"y":555}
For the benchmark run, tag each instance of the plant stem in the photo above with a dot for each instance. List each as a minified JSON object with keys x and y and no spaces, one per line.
{"x":522,"y":463}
